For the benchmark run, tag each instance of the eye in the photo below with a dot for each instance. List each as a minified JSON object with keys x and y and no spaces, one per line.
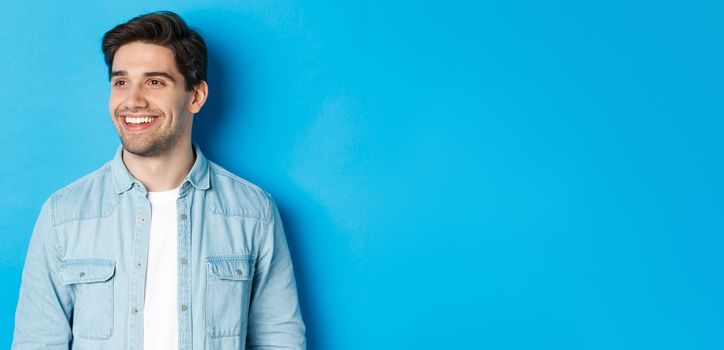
{"x":119,"y":83}
{"x":156,"y":82}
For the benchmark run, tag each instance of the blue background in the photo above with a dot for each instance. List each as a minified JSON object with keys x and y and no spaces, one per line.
{"x":502,"y":175}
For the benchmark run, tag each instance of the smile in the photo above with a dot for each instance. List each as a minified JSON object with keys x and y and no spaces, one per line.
{"x":137,"y":124}
{"x":139,"y":120}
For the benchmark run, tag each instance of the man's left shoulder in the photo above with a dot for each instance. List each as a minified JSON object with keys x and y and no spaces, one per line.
{"x":233,"y":195}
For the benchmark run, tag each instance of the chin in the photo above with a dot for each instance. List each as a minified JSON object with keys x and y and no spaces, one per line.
{"x":149,"y":149}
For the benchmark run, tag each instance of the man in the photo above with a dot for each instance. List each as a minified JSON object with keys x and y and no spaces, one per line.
{"x":160,"y":248}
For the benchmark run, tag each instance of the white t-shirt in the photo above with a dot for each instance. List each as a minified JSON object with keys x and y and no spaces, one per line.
{"x":160,"y":311}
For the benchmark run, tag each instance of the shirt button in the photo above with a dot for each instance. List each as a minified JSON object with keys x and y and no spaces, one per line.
{"x":134,"y":310}
{"x":238,"y":272}
{"x":183,"y":216}
{"x":81,"y":274}
{"x":184,"y":307}
{"x":138,"y":264}
{"x":183,"y":261}
{"x":141,"y":220}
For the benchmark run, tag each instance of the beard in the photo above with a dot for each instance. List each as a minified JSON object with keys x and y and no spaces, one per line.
{"x":155,"y":147}
{"x":151,"y":145}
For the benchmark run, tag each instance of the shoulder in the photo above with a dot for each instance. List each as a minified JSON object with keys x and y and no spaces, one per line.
{"x":84,"y":198}
{"x":231,"y":195}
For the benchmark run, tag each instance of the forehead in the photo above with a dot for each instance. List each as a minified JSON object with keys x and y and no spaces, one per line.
{"x":143,"y":57}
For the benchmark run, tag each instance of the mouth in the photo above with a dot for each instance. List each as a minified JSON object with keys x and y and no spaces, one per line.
{"x":137,"y":122}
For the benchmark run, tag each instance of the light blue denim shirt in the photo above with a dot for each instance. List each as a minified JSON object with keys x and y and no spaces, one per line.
{"x":84,"y":275}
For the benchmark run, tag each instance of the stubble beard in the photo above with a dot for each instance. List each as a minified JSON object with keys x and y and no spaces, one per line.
{"x":152,"y":145}
{"x":157,"y":146}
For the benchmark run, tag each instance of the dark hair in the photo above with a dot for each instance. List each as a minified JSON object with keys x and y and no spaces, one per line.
{"x":166,"y":29}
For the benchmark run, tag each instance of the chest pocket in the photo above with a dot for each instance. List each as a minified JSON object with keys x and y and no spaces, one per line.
{"x":92,"y":283}
{"x":228,"y":291}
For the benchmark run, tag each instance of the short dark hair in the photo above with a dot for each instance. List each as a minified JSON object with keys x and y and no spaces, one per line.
{"x":166,"y":29}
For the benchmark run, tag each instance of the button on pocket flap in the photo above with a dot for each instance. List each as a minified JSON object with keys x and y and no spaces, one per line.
{"x":231,"y":267}
{"x":86,"y":270}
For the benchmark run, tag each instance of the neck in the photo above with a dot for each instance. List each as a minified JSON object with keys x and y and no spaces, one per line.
{"x":164,"y":172}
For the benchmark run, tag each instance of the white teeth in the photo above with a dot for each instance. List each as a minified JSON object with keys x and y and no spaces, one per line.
{"x":138,"y":120}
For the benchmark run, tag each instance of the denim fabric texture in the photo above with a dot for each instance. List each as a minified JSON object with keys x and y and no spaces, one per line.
{"x":84,"y":275}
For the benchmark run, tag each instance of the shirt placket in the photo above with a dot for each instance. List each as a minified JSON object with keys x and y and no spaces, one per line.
{"x":137,"y":281}
{"x":184,"y":271}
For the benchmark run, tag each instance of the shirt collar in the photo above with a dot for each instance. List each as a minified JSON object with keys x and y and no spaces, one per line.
{"x":199,"y":174}
{"x":197,"y":177}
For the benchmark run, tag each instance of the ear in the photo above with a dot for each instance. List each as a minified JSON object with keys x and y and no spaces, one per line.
{"x":200,"y":92}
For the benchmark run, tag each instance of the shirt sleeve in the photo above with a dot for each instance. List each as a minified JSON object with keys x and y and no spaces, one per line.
{"x":42,"y":317}
{"x":275,"y":321}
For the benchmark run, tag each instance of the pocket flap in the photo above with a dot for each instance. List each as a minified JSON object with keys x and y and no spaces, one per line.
{"x":86,"y":270}
{"x":237,"y":268}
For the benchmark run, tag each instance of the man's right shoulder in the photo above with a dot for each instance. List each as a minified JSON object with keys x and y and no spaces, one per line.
{"x":84,"y":198}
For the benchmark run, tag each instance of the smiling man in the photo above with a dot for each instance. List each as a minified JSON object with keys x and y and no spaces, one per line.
{"x":160,"y":248}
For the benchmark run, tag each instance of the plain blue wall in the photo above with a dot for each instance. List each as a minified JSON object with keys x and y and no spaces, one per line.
{"x":511,"y":175}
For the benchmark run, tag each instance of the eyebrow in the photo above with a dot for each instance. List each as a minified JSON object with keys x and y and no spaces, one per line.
{"x":122,"y":73}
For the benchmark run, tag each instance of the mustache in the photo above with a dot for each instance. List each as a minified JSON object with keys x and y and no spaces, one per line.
{"x":121,"y":112}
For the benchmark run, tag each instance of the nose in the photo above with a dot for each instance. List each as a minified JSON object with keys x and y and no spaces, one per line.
{"x":135,"y":98}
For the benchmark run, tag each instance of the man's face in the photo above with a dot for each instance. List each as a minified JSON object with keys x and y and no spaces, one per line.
{"x":149,"y":104}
